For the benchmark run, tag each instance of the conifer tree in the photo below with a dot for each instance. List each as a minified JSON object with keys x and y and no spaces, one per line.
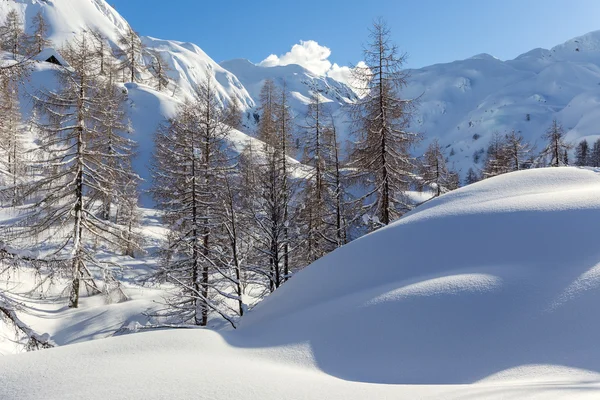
{"x":130,"y":53}
{"x":73,"y":174}
{"x":381,"y":153}
{"x":497,"y":161}
{"x":159,"y":68}
{"x":190,"y":170}
{"x":557,"y":147}
{"x":434,"y":172}
{"x":39,"y":39}
{"x":12,"y":34}
{"x":517,"y":151}
{"x":582,"y":154}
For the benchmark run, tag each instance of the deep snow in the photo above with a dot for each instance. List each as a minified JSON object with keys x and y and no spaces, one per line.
{"x":491,"y":287}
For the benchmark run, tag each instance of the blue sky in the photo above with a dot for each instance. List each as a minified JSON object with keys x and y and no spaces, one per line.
{"x":430,"y":31}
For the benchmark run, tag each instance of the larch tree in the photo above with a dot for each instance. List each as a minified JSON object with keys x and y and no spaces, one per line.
{"x":517,"y":151}
{"x":557,"y":147}
{"x":190,"y":168}
{"x":39,"y":39}
{"x":380,"y":156}
{"x":582,"y":154}
{"x":268,"y":188}
{"x":73,"y":176}
{"x":434,"y":172}
{"x":497,"y":161}
{"x":159,"y":68}
{"x":12,"y":34}
{"x":130,"y":53}
{"x":11,"y":136}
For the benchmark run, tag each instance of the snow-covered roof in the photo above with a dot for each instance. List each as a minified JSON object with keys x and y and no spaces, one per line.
{"x":48,"y":53}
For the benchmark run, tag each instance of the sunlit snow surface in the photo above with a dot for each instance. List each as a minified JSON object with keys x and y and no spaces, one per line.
{"x":487,"y":292}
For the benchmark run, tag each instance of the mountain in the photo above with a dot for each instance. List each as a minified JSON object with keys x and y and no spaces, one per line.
{"x":499,"y":303}
{"x":464,"y":102}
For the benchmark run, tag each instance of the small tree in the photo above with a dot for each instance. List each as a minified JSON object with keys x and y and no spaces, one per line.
{"x":380,"y":157}
{"x":130,"y":53}
{"x":472,"y":177}
{"x":582,"y":154}
{"x":159,"y":68}
{"x":434,"y":172}
{"x":497,"y":161}
{"x":12,"y":35}
{"x":39,"y":39}
{"x":516,"y":150}
{"x":557,"y":147}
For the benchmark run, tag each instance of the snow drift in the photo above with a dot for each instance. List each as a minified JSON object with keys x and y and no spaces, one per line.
{"x":492,"y":287}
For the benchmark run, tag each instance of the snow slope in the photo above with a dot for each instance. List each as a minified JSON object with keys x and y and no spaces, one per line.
{"x":486,"y":292}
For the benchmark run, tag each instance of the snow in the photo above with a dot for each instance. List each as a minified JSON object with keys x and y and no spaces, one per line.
{"x":485,"y":292}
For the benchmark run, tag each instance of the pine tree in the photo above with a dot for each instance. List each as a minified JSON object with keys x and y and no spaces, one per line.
{"x":130,"y":53}
{"x":190,"y":171}
{"x":381,"y":154}
{"x":582,"y":154}
{"x":39,"y":39}
{"x":434,"y":172}
{"x":557,"y":147}
{"x":73,"y":175}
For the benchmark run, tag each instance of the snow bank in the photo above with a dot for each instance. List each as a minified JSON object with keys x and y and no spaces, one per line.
{"x":491,"y":289}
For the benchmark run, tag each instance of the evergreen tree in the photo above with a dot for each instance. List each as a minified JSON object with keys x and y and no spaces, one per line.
{"x":594,"y":158}
{"x":381,"y":155}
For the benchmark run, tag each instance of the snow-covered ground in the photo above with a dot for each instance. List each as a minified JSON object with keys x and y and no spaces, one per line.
{"x":486,"y":292}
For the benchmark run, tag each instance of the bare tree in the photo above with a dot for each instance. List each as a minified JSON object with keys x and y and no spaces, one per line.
{"x":434,"y":172}
{"x":381,"y":155}
{"x":130,"y":53}
{"x":517,"y":151}
{"x":73,"y":175}
{"x":557,"y":146}
{"x":159,"y":68}
{"x":12,"y":34}
{"x":39,"y":39}
{"x":189,"y":174}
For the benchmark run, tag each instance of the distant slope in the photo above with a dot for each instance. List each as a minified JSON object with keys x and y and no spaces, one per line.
{"x":490,"y":292}
{"x":483,"y":95}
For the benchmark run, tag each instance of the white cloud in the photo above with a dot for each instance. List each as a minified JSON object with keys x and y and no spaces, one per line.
{"x":315,"y":58}
{"x":308,"y":54}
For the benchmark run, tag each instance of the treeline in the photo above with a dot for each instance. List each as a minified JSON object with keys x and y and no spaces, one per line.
{"x":511,"y":152}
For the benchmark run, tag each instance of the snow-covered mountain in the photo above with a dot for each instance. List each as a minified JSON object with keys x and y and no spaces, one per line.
{"x":188,"y":62}
{"x":464,"y":102}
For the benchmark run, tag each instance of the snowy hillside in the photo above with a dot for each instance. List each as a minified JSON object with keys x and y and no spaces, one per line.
{"x":189,"y":63}
{"x":498,"y":303}
{"x":482,"y":95}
